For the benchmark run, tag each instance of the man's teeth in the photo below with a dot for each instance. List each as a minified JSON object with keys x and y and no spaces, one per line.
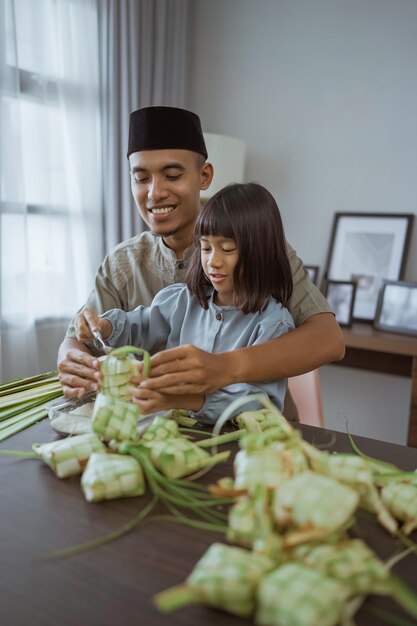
{"x":163,"y":210}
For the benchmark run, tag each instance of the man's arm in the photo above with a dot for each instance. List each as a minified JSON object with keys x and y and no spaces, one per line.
{"x":78,"y":369}
{"x":188,"y":369}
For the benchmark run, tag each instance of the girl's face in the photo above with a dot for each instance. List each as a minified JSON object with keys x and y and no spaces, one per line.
{"x":218,"y":258}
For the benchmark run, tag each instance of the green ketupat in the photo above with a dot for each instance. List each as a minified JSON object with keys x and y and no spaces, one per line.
{"x":314,"y":506}
{"x":269,"y":466}
{"x":294,"y":595}
{"x":68,"y":457}
{"x":109,"y":476}
{"x":350,"y":561}
{"x":226,"y":577}
{"x":114,"y":418}
{"x":160,"y":429}
{"x":401,"y":500}
{"x":327,"y":586}
{"x":179,"y":457}
{"x":354,"y":471}
{"x":241,"y":526}
{"x":250,"y":524}
{"x":117,"y":369}
{"x":117,"y":373}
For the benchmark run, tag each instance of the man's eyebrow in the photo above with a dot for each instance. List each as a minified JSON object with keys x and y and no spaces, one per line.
{"x":168,"y":166}
{"x":174,"y":165}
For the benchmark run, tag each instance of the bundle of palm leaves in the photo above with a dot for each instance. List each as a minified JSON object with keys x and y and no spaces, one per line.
{"x":22,"y":401}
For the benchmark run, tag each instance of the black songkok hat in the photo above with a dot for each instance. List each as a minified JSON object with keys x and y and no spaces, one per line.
{"x":157,"y":128}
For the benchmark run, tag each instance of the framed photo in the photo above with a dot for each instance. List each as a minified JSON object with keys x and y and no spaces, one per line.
{"x":313,"y":272}
{"x":397,"y":307}
{"x":341,"y":297}
{"x":368,"y":248}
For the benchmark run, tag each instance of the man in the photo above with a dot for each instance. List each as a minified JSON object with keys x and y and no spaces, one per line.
{"x":168,"y":166}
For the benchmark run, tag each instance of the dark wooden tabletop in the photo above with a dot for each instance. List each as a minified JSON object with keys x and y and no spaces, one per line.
{"x":115,"y":583}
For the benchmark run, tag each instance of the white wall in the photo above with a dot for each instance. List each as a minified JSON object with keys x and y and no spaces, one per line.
{"x":324,"y":92}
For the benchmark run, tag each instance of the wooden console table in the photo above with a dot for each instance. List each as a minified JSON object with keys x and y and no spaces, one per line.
{"x":390,"y":353}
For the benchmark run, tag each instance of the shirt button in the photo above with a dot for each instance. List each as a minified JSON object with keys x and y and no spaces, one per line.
{"x":180,"y":266}
{"x":218,"y":316}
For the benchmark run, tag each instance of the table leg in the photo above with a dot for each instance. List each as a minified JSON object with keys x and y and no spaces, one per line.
{"x":412,"y":423}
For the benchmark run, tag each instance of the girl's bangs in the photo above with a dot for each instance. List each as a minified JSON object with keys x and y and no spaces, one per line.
{"x":214,"y":221}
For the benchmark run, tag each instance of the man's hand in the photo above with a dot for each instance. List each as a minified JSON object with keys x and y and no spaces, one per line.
{"x":188,"y":370}
{"x":78,"y":369}
{"x":88,"y":321}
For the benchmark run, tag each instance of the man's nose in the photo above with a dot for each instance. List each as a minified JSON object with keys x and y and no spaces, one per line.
{"x":156,"y":190}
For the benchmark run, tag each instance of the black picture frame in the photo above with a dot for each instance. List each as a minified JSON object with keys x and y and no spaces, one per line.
{"x":368,"y":248}
{"x":313,"y":272}
{"x":397,"y":307}
{"x":341,"y":296}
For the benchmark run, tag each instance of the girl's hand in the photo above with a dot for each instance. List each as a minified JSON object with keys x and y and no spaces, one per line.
{"x":190,"y":370}
{"x":151,"y":401}
{"x":88,"y":321}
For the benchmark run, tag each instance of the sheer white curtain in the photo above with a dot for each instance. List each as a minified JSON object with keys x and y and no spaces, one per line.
{"x":144,"y":62}
{"x":50,"y":175}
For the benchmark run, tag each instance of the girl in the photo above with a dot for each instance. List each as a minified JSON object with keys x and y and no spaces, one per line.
{"x":237,"y":286}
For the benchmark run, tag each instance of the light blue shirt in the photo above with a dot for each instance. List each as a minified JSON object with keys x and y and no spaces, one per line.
{"x":175,"y":318}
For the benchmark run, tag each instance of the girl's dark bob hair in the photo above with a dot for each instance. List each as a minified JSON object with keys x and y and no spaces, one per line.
{"x":248,"y":214}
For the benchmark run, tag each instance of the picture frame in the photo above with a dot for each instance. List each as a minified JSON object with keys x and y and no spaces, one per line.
{"x":313,"y":272}
{"x":341,"y":296}
{"x":368,"y":248}
{"x":397,"y":307}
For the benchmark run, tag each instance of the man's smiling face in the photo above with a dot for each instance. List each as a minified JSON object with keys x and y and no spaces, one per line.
{"x":166,"y":187}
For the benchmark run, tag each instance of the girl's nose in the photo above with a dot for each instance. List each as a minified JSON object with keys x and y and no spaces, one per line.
{"x":215,"y":259}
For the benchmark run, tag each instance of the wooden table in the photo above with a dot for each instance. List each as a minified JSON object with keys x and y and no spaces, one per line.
{"x":115,"y":584}
{"x":389,"y":353}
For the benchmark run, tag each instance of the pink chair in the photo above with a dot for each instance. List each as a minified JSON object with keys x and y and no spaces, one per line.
{"x":306,"y":392}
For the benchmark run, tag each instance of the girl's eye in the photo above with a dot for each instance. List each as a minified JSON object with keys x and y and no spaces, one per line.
{"x":229,"y":249}
{"x":139,"y":180}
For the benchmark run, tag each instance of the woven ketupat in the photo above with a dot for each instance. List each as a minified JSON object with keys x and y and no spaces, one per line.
{"x":115,"y":419}
{"x":160,"y":429}
{"x":293,"y":595}
{"x":68,"y":457}
{"x":241,"y":526}
{"x":351,"y":562}
{"x":178,"y":457}
{"x":268,"y":466}
{"x":401,"y":499}
{"x":109,"y":476}
{"x":117,"y":372}
{"x":226,"y":577}
{"x":313,"y":501}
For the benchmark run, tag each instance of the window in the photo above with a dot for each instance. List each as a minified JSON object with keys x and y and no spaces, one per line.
{"x":50,"y":172}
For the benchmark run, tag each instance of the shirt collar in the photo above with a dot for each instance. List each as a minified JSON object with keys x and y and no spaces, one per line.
{"x":170,"y":254}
